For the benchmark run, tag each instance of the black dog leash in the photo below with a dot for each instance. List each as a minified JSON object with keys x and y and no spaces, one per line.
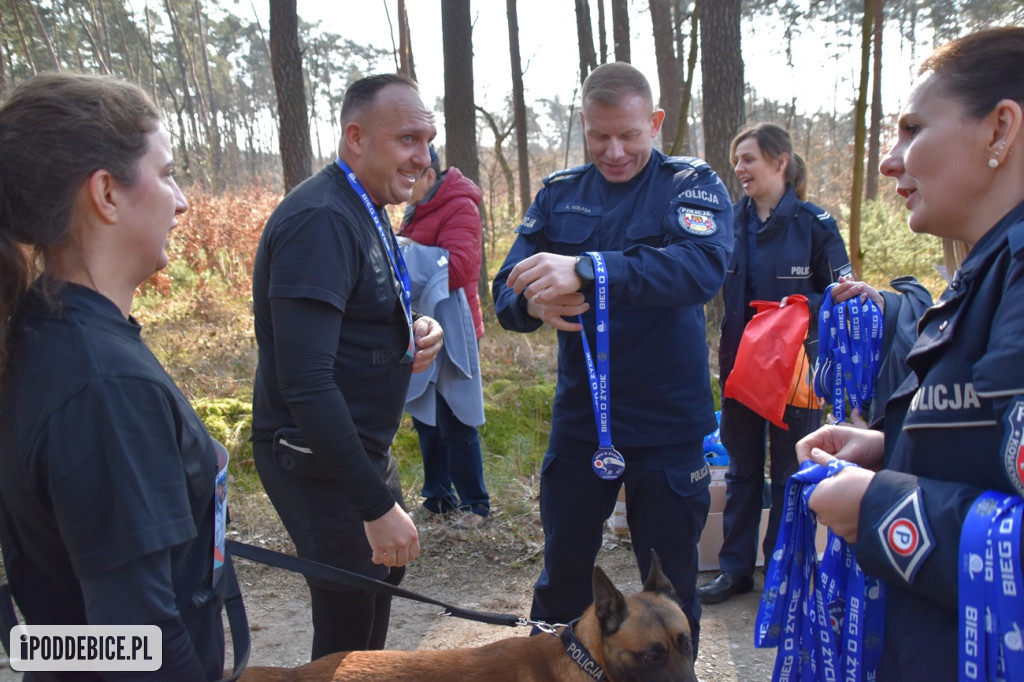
{"x":314,"y":569}
{"x":574,"y":648}
{"x":238,"y":623}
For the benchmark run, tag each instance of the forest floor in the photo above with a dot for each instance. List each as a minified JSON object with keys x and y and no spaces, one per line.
{"x":493,"y":570}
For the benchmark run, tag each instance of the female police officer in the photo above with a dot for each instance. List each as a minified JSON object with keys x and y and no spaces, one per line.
{"x":784,"y":245}
{"x":952,"y":430}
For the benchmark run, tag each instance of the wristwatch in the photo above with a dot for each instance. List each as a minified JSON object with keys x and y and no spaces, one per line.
{"x":585,"y":271}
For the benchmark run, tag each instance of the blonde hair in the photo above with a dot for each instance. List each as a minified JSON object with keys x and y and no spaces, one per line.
{"x":954,"y":252}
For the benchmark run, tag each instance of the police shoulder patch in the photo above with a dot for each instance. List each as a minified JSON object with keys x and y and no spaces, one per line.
{"x":707,"y":196}
{"x":905,"y":536}
{"x":695,"y":221}
{"x":1013,"y":445}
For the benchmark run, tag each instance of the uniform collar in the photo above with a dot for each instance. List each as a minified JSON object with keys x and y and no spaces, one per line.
{"x":992,"y":241}
{"x":780,"y":215}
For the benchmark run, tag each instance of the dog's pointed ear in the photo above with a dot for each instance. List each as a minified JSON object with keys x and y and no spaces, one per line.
{"x":609,"y":604}
{"x":656,"y":580}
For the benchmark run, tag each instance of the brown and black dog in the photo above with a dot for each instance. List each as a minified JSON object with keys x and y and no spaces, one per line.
{"x":641,"y":638}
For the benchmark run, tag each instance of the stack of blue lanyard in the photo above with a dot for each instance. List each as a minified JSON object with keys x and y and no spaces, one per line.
{"x":849,"y":353}
{"x":991,"y":591}
{"x":825,"y":617}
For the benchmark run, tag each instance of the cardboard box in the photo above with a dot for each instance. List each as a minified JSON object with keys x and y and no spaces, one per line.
{"x":711,"y":538}
{"x":617,"y":521}
{"x":717,"y":489}
{"x":711,"y":541}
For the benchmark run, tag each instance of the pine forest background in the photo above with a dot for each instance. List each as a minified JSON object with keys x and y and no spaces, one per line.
{"x":247,"y":103}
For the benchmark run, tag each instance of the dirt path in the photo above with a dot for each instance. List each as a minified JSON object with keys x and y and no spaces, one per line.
{"x":467,"y":569}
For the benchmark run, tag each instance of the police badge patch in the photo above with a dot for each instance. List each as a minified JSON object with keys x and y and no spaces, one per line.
{"x":701,"y":223}
{"x":1013,"y":447}
{"x":905,"y":536}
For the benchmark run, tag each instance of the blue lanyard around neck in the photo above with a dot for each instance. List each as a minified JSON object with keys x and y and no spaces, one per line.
{"x":991,"y":591}
{"x":826,"y":619}
{"x":850,"y":337}
{"x":394,"y":254}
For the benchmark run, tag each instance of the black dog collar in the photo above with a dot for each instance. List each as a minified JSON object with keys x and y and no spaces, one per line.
{"x":579,"y":653}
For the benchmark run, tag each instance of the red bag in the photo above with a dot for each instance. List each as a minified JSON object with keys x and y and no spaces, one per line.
{"x":766,"y":359}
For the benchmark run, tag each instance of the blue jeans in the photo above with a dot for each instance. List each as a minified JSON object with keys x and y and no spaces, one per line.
{"x":453,"y":467}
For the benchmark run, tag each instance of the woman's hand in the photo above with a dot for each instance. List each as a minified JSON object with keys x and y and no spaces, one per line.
{"x":848,"y":287}
{"x":863,"y":447}
{"x":855,"y":419}
{"x":836,"y":500}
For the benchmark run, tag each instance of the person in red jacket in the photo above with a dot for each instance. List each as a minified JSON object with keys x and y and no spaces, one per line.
{"x":444,"y":212}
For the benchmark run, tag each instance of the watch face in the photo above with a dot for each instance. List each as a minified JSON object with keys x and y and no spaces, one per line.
{"x":585,"y":267}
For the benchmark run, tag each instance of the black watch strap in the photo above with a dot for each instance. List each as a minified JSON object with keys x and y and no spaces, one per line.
{"x":585,"y":271}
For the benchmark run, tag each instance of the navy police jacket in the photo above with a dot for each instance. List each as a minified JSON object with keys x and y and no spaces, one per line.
{"x":952,"y":430}
{"x":903,"y":308}
{"x":799,"y":251}
{"x":665,"y":236}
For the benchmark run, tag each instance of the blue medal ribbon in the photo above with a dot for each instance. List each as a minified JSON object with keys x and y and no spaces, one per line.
{"x":850,"y":337}
{"x":394,"y":254}
{"x":825,"y":617}
{"x":991,"y":591}
{"x":1009,"y":592}
{"x":607,"y":462}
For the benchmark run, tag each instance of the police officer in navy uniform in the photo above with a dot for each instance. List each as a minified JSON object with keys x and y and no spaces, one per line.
{"x":661,"y":228}
{"x":953,"y":429}
{"x":785,"y":245}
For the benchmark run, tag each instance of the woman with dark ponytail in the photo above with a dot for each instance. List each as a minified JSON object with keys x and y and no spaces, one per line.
{"x":784,"y":245}
{"x":107,"y":477}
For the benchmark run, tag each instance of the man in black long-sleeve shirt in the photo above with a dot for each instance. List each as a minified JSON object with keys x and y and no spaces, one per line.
{"x":337,"y":343}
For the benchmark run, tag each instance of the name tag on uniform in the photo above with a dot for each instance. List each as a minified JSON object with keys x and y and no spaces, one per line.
{"x":580,"y":209}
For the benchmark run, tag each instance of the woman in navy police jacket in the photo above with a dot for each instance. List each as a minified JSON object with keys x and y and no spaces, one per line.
{"x":952,"y":430}
{"x":784,"y":246}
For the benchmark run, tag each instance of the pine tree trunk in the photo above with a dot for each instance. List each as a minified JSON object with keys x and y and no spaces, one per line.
{"x":722,"y":68}
{"x":286,"y":65}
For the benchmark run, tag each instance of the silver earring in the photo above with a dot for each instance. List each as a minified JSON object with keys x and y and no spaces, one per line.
{"x":993,"y":163}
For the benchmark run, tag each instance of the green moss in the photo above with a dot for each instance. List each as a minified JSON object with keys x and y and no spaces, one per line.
{"x":513,"y":441}
{"x":229,"y":420}
{"x":406,"y":450}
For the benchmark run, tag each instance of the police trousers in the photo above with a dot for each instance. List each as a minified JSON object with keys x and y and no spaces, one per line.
{"x":667,"y":502}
